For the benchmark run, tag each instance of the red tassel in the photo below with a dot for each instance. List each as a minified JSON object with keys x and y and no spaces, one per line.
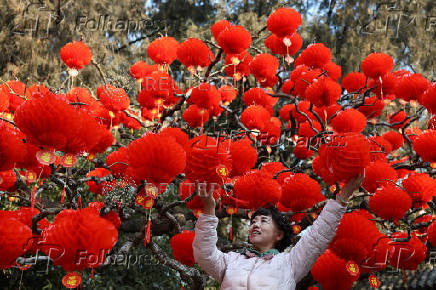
{"x":219,"y":204}
{"x":32,"y":193}
{"x":231,"y":227}
{"x":63,"y":195}
{"x":79,"y":201}
{"x":404,"y":277}
{"x":92,"y":272}
{"x":147,"y":233}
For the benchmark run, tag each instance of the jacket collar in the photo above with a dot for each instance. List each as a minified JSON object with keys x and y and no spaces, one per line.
{"x":250,"y":252}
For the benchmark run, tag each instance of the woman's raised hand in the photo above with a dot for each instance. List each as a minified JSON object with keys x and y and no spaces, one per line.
{"x":207,"y":198}
{"x":352,"y":185}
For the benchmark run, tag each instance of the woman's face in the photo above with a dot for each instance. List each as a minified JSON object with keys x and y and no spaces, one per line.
{"x":264,"y":233}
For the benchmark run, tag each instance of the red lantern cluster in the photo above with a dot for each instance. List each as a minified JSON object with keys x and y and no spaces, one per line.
{"x":257,"y":189}
{"x":300,"y":192}
{"x":79,"y":239}
{"x":50,"y":122}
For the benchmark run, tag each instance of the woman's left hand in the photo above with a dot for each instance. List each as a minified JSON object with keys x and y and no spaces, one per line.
{"x":350,"y":187}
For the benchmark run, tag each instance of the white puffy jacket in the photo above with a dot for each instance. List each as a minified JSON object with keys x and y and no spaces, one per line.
{"x":283,"y":271}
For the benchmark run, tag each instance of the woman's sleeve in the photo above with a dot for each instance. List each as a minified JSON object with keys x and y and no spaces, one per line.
{"x":206,"y":254}
{"x":316,"y":239}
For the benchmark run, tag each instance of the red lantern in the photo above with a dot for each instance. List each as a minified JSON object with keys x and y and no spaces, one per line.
{"x":377,"y":64}
{"x":114,"y":99}
{"x":141,"y":69}
{"x":163,"y":50}
{"x":331,"y":271}
{"x":205,"y":96}
{"x":395,"y":138}
{"x":219,"y":27}
{"x":287,"y":45}
{"x":12,"y":147}
{"x":264,"y":66}
{"x":349,"y":120}
{"x":257,"y":189}
{"x":410,"y":87}
{"x":428,"y":99}
{"x":424,"y":145}
{"x":316,"y":55}
{"x":15,"y":238}
{"x":244,"y":157}
{"x":355,"y":238}
{"x":431,"y":233}
{"x":238,"y":65}
{"x":156,"y":159}
{"x":181,"y":245}
{"x":345,"y":155}
{"x":79,"y":239}
{"x":203,"y":155}
{"x":255,"y":117}
{"x":177,"y":134}
{"x":258,"y":96}
{"x":378,"y":173}
{"x":76,"y":54}
{"x":323,"y":92}
{"x":193,"y":53}
{"x":390,"y":202}
{"x":283,"y":21}
{"x":354,"y":81}
{"x":421,"y":188}
{"x":300,"y":192}
{"x":234,"y":39}
{"x":406,"y":255}
{"x":195,"y":116}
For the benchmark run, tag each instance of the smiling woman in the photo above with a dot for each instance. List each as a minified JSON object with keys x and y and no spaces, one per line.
{"x":266,"y":265}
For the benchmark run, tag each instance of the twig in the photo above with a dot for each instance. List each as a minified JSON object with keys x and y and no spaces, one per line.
{"x":187,"y":273}
{"x":213,"y":63}
{"x":8,"y":121}
{"x":175,"y":108}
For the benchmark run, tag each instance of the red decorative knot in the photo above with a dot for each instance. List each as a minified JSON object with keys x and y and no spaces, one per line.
{"x":352,"y":268}
{"x":374,"y":281}
{"x":296,"y":229}
{"x":72,"y":280}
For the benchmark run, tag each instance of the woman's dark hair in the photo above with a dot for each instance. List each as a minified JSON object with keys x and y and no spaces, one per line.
{"x":281,"y":221}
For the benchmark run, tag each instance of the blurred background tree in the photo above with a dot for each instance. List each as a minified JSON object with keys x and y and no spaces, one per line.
{"x":33,"y":31}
